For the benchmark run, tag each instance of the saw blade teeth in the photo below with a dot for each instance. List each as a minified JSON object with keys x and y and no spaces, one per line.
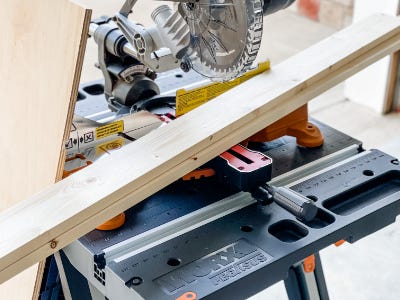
{"x":225,"y":36}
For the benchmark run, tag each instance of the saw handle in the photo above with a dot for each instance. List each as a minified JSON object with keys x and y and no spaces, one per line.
{"x":272,"y":6}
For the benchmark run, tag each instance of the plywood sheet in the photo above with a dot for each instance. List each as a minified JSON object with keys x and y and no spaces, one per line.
{"x":84,"y":200}
{"x":41,"y":50}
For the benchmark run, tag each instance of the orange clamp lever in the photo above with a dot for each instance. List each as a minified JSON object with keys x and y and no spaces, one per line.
{"x":198,"y":174}
{"x":113,"y":223}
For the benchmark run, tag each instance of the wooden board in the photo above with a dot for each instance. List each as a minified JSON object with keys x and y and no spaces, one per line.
{"x":74,"y":206}
{"x":41,"y":52}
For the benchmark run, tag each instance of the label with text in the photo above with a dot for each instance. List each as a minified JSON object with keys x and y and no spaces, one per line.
{"x":109,"y":129}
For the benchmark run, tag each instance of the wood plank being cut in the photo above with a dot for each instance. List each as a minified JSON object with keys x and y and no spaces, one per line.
{"x":41,"y":52}
{"x":65,"y":211}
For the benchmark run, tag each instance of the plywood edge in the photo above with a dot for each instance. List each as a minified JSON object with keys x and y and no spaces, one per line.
{"x":74,"y":90}
{"x":68,"y":124}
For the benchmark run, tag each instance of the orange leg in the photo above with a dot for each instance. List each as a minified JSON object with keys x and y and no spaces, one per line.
{"x":295,"y":124}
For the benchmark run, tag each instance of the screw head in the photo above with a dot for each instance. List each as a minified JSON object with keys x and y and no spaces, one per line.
{"x":136,"y":281}
{"x":53,"y":244}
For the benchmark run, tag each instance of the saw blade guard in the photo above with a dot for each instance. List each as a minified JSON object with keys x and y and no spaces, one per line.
{"x":225,"y":36}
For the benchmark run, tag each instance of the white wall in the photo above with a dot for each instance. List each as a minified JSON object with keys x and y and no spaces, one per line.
{"x":369,"y":86}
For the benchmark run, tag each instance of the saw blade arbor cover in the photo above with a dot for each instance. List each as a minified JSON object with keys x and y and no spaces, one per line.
{"x":225,"y":36}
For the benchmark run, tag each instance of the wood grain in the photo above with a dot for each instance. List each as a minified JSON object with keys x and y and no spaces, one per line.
{"x":74,"y":206}
{"x":41,"y":53}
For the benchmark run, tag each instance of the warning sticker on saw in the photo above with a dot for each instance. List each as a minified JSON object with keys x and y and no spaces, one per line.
{"x":110,"y":146}
{"x":189,"y":100}
{"x":109,"y":129}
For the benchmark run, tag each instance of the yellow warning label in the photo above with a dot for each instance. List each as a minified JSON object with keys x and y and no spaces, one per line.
{"x":110,"y":146}
{"x":109,"y":129}
{"x":189,"y":100}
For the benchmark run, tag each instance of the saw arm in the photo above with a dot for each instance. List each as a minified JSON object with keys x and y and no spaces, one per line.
{"x":219,"y":39}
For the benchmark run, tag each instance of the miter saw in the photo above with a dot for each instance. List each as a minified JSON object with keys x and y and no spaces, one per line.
{"x":219,"y":39}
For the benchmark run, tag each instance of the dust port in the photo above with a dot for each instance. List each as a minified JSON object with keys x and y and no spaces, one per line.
{"x":321,"y":220}
{"x":288,"y":231}
{"x":95,"y":89}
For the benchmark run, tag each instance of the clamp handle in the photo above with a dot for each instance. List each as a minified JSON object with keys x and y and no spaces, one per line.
{"x":297,"y":204}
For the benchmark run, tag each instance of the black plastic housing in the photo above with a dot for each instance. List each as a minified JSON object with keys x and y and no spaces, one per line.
{"x":272,"y":6}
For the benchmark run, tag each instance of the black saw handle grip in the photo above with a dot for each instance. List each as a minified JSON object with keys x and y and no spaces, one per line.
{"x":271,"y":6}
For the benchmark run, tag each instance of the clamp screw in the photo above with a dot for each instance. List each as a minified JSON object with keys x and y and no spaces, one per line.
{"x":136,"y":281}
{"x":262,"y":195}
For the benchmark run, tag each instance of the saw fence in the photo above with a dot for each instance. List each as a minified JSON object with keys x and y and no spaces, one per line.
{"x":48,"y":221}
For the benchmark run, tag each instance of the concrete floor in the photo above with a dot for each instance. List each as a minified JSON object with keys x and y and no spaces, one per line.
{"x":369,"y":269}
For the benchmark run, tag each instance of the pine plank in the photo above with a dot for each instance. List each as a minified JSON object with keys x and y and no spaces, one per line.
{"x":74,"y":206}
{"x":41,"y":52}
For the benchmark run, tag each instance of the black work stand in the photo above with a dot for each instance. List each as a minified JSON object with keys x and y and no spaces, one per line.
{"x":369,"y":200}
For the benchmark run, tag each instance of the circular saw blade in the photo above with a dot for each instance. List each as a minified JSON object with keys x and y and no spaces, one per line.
{"x":225,"y":36}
